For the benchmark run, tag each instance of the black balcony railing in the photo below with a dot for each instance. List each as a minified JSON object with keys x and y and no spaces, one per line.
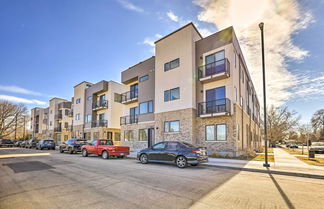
{"x":129,"y":96}
{"x":129,"y":119}
{"x":99,"y":123}
{"x":215,"y":106}
{"x":100,"y":104}
{"x":58,"y":129}
{"x":220,"y":66}
{"x":68,"y":128}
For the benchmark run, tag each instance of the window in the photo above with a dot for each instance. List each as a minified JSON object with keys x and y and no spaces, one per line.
{"x":88,"y":118}
{"x":77,"y":116}
{"x":117,"y":97}
{"x":117,"y":136}
{"x":234,"y":58}
{"x":172,"y":146}
{"x":78,"y":101}
{"x":50,"y":123}
{"x":171,"y":65}
{"x":160,"y":145}
{"x":128,"y":135}
{"x":101,"y":116}
{"x":94,"y":142}
{"x":215,"y":132}
{"x":65,"y":137}
{"x":172,"y":126}
{"x":66,"y":125}
{"x":89,"y":98}
{"x":143,"y":78}
{"x":172,"y":94}
{"x":146,"y":107}
{"x":143,"y":134}
{"x":106,"y":142}
{"x":109,"y":135}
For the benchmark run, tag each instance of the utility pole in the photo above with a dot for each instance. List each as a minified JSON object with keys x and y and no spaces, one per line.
{"x":24,"y":126}
{"x":16,"y":127}
{"x":266,"y":164}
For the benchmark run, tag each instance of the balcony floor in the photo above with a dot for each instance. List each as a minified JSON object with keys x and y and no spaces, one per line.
{"x":214,"y":77}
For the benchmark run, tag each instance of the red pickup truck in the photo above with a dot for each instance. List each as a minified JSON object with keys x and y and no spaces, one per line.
{"x":105,"y":148}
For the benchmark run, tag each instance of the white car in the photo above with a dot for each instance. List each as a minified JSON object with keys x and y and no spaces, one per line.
{"x":318,"y":147}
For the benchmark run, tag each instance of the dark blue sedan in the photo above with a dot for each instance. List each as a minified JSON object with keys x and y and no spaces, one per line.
{"x":180,"y":153}
{"x":45,"y":144}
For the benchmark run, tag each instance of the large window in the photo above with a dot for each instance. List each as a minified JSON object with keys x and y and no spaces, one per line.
{"x":78,"y":101}
{"x":172,"y":126}
{"x":146,"y":107}
{"x":77,"y":116}
{"x":88,"y":118}
{"x":215,"y":132}
{"x":171,"y":65}
{"x":172,"y":94}
{"x":128,"y":135}
{"x":143,"y":134}
{"x":143,"y":78}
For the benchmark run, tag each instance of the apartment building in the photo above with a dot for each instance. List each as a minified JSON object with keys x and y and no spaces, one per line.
{"x":65,"y":120}
{"x":138,"y":120}
{"x":103,"y":111}
{"x":39,"y":122}
{"x":197,"y":90}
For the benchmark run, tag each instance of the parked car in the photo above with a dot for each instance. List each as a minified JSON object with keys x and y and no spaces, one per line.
{"x":317,"y":147}
{"x":104,"y":148}
{"x":72,"y":146}
{"x":45,"y":144}
{"x":292,"y":146}
{"x":23,"y":143}
{"x":180,"y":153}
{"x":6,"y":143}
{"x":31,"y":143}
{"x":17,"y":143}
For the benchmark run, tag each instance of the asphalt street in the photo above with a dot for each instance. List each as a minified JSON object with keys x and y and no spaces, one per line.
{"x":54,"y":180}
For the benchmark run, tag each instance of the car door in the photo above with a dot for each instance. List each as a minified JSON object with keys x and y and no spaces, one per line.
{"x":157,"y":152}
{"x":171,"y":151}
{"x":92,"y":147}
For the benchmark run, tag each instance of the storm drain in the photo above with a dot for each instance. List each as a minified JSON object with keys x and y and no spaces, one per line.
{"x":28,"y":166}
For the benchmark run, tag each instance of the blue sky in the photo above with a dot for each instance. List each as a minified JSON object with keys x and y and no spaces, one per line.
{"x":48,"y":46}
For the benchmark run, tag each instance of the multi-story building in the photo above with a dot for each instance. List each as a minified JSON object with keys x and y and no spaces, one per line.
{"x":39,"y":123}
{"x":197,"y":90}
{"x":138,"y":121}
{"x":65,"y":120}
{"x":103,"y":111}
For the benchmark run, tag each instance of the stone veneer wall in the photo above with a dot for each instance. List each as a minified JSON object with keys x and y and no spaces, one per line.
{"x":221,"y":147}
{"x":135,"y":145}
{"x":187,"y":121}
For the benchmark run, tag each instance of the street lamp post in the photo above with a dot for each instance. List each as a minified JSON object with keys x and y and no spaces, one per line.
{"x":265,"y":164}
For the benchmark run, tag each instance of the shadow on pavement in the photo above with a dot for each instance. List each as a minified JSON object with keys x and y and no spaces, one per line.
{"x":284,"y":173}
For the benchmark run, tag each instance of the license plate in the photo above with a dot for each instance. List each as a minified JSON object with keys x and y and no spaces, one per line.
{"x":122,"y":154}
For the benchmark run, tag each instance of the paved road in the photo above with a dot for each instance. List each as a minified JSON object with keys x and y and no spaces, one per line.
{"x":71,"y":181}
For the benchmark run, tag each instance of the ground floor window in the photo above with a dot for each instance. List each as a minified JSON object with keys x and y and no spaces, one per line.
{"x":143,"y":134}
{"x":215,"y":132}
{"x":66,"y":137}
{"x":95,"y":135}
{"x":109,"y":135}
{"x":128,"y":135}
{"x":117,"y":136}
{"x":172,"y":126}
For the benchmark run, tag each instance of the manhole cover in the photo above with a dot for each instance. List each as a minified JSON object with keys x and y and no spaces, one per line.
{"x":28,"y":166}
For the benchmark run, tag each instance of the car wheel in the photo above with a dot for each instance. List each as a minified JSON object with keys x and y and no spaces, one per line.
{"x":61,"y":150}
{"x":84,"y":153}
{"x":181,"y":162}
{"x":144,"y":159}
{"x":105,"y":155}
{"x":70,"y":151}
{"x":41,"y":148}
{"x":36,"y":147}
{"x":53,"y":148}
{"x":194,"y":164}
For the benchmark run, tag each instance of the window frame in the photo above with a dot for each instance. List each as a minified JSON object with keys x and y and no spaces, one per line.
{"x":168,"y":123}
{"x":139,"y":134}
{"x":147,"y":111}
{"x":78,"y":101}
{"x":143,"y":78}
{"x":168,"y":64}
{"x":215,"y":132}
{"x":169,"y":95}
{"x":131,"y":131}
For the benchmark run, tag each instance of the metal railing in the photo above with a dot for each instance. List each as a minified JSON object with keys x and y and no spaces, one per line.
{"x":129,"y":119}
{"x":220,"y":66}
{"x":58,"y":129}
{"x":215,"y":106}
{"x":99,"y":123}
{"x":58,"y":116}
{"x":100,"y":104}
{"x":128,"y":96}
{"x":68,"y":128}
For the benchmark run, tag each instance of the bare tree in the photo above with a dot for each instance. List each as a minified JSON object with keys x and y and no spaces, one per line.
{"x":280,"y":122}
{"x":318,"y":122}
{"x":10,"y":114}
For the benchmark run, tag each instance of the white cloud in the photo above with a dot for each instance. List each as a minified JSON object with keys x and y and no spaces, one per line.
{"x":282,"y":19}
{"x":128,"y":5}
{"x":172,"y":16}
{"x":21,"y":100}
{"x":17,"y":89}
{"x":150,"y":41}
{"x":308,"y":86}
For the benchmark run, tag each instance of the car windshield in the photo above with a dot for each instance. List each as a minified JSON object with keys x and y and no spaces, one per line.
{"x":187,"y":144}
{"x":48,"y":141}
{"x":318,"y":144}
{"x":105,"y":142}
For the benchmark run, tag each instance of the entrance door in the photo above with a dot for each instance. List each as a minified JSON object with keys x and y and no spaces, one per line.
{"x":150,"y":141}
{"x":215,"y":100}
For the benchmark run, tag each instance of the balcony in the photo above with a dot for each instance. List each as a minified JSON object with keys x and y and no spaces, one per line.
{"x":99,"y":123}
{"x":125,"y":120}
{"x":129,"y":97}
{"x":100,"y":104}
{"x":58,"y":116}
{"x":58,"y":129}
{"x":214,"y":108}
{"x":68,"y":128}
{"x":214,"y":71}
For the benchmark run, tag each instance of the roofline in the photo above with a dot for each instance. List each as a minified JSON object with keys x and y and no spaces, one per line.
{"x":82,"y":83}
{"x":58,"y":98}
{"x":179,"y":30}
{"x":138,"y":63}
